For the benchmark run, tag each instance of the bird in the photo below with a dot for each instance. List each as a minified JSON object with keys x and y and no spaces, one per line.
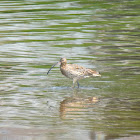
{"x":74,"y":71}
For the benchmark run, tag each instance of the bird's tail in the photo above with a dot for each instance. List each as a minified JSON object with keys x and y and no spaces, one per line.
{"x":93,"y":73}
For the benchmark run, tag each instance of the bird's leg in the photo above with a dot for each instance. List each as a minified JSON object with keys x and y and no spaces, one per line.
{"x":78,"y":84}
{"x":74,"y":81}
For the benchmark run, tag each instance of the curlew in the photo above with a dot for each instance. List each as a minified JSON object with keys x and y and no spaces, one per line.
{"x":74,"y":71}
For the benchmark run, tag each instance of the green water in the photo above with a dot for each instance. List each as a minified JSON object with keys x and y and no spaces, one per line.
{"x":102,"y":35}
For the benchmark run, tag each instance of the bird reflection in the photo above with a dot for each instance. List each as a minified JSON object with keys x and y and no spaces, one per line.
{"x":74,"y":106}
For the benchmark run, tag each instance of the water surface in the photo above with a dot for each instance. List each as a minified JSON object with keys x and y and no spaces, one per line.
{"x":101,"y":35}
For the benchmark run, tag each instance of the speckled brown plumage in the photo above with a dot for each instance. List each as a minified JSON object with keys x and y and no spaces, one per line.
{"x":74,"y":71}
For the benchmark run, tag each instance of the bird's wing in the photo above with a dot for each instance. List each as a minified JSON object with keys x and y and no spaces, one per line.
{"x":76,"y":69}
{"x":82,"y":71}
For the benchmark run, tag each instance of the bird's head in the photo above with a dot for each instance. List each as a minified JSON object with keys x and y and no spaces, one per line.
{"x":63,"y":61}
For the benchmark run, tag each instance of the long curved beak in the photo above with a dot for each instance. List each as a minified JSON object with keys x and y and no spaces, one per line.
{"x":52,"y":67}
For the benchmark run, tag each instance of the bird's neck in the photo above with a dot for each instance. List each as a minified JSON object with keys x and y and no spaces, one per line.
{"x":63,"y":64}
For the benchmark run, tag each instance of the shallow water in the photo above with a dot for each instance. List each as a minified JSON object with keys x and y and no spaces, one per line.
{"x":101,"y":35}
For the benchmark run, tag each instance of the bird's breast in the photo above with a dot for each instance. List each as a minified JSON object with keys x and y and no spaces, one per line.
{"x":67,"y":72}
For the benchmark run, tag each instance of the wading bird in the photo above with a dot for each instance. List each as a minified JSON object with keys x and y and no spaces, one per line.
{"x":74,"y":71}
